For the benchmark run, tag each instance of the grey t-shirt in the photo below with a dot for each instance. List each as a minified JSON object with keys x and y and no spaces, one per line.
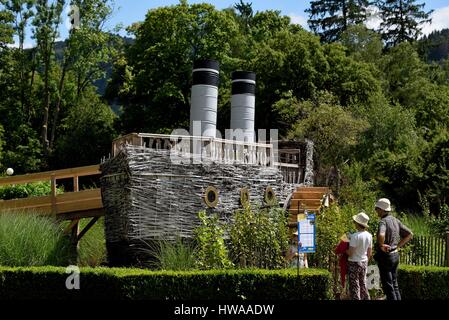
{"x":393,"y":229}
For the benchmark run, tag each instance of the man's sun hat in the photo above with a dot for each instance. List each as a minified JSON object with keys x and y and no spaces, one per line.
{"x":384,"y":204}
{"x":362,"y":219}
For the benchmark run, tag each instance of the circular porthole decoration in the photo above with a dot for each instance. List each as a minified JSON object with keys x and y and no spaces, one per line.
{"x":244,"y":197}
{"x":270,"y":196}
{"x":211,"y":197}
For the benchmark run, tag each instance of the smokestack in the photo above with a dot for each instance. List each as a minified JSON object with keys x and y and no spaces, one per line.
{"x":206,"y":74}
{"x":243,"y":104}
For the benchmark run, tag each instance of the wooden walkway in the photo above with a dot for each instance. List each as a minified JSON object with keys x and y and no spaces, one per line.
{"x":71,"y":206}
{"x":67,"y":206}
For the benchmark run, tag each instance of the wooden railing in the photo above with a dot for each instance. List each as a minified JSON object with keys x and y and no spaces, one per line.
{"x":221,"y":151}
{"x":67,"y":206}
{"x":205,"y":148}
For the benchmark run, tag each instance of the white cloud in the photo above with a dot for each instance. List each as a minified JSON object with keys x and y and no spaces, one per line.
{"x":440,"y":20}
{"x":298,"y":19}
{"x":374,"y":19}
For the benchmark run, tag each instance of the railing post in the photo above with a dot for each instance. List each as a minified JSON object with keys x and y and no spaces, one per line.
{"x":76,"y":187}
{"x":53,"y":194}
{"x":447,"y":249}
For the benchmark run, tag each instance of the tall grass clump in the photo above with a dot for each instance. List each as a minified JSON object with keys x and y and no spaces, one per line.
{"x":420,"y":225}
{"x":175,"y":255}
{"x":27,"y":239}
{"x":92,"y":247}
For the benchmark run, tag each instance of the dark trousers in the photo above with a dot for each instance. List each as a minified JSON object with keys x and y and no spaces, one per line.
{"x":388,"y":269}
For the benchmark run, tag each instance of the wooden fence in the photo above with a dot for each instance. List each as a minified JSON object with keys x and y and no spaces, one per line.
{"x":427,"y":251}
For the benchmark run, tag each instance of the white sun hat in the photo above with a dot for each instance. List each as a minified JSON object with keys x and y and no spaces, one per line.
{"x":384,"y":204}
{"x":362,"y":219}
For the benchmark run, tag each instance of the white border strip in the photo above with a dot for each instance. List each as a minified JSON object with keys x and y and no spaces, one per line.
{"x":207,"y":70}
{"x":244,"y":80}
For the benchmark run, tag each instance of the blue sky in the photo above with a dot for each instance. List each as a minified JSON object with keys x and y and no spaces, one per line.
{"x":127,"y":12}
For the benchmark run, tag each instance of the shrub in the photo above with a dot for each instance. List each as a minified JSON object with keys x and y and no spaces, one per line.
{"x":212,"y":252}
{"x":27,"y":239}
{"x":133,"y":284}
{"x":259,"y":239}
{"x":35,"y":189}
{"x":423,"y":283}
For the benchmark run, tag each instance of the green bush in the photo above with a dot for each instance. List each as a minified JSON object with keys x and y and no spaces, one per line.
{"x":259,"y":238}
{"x":35,"y":189}
{"x":423,"y":283}
{"x":212,"y":252}
{"x":133,"y":284}
{"x":27,"y":239}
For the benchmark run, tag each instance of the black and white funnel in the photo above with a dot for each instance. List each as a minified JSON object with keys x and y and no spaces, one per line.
{"x":203,"y":111}
{"x":243,"y":105}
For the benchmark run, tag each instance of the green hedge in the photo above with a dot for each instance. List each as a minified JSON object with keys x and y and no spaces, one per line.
{"x":423,"y":283}
{"x":136,"y":284}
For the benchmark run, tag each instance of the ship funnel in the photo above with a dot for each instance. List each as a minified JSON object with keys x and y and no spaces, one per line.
{"x":204,"y":99}
{"x":243,"y":105}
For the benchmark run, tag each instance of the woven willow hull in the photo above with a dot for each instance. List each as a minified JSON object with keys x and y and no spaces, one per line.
{"x":147,"y":197}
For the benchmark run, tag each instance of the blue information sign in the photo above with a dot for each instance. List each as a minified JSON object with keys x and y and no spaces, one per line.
{"x":307,"y":234}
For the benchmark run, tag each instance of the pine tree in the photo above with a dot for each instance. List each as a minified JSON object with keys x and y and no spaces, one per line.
{"x":402,"y":20}
{"x":329,"y":18}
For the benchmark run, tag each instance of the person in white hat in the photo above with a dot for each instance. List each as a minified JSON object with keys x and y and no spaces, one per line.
{"x":391,"y":236}
{"x":359,"y":253}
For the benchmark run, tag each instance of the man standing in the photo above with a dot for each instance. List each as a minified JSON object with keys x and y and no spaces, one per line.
{"x":391,"y":236}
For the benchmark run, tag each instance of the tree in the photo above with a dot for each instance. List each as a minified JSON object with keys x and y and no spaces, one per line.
{"x":363,"y":44}
{"x":6,"y":29}
{"x":245,"y":14}
{"x":86,"y":53}
{"x":22,"y":12}
{"x":329,"y":18}
{"x":335,"y":133}
{"x":87,"y":132}
{"x":157,"y":79}
{"x":402,"y":20}
{"x":46,"y":22}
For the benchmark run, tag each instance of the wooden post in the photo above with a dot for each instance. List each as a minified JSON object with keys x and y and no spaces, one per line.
{"x":53,"y":194}
{"x":76,"y":187}
{"x":447,"y":249}
{"x":74,"y":243}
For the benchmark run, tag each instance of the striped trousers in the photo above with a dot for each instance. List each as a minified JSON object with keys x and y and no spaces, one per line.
{"x":357,"y":280}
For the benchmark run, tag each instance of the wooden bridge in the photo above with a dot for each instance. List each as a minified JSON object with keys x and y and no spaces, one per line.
{"x":72,"y":206}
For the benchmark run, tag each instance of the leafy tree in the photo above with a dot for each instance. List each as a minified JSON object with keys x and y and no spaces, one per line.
{"x":245,"y":14}
{"x":86,"y":53}
{"x":437,"y":170}
{"x":87,"y":132}
{"x":21,"y":11}
{"x":160,"y":63}
{"x":6,"y":29}
{"x":402,"y":20}
{"x":46,"y":22}
{"x":363,"y":44}
{"x":329,"y":18}
{"x":334,"y":131}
